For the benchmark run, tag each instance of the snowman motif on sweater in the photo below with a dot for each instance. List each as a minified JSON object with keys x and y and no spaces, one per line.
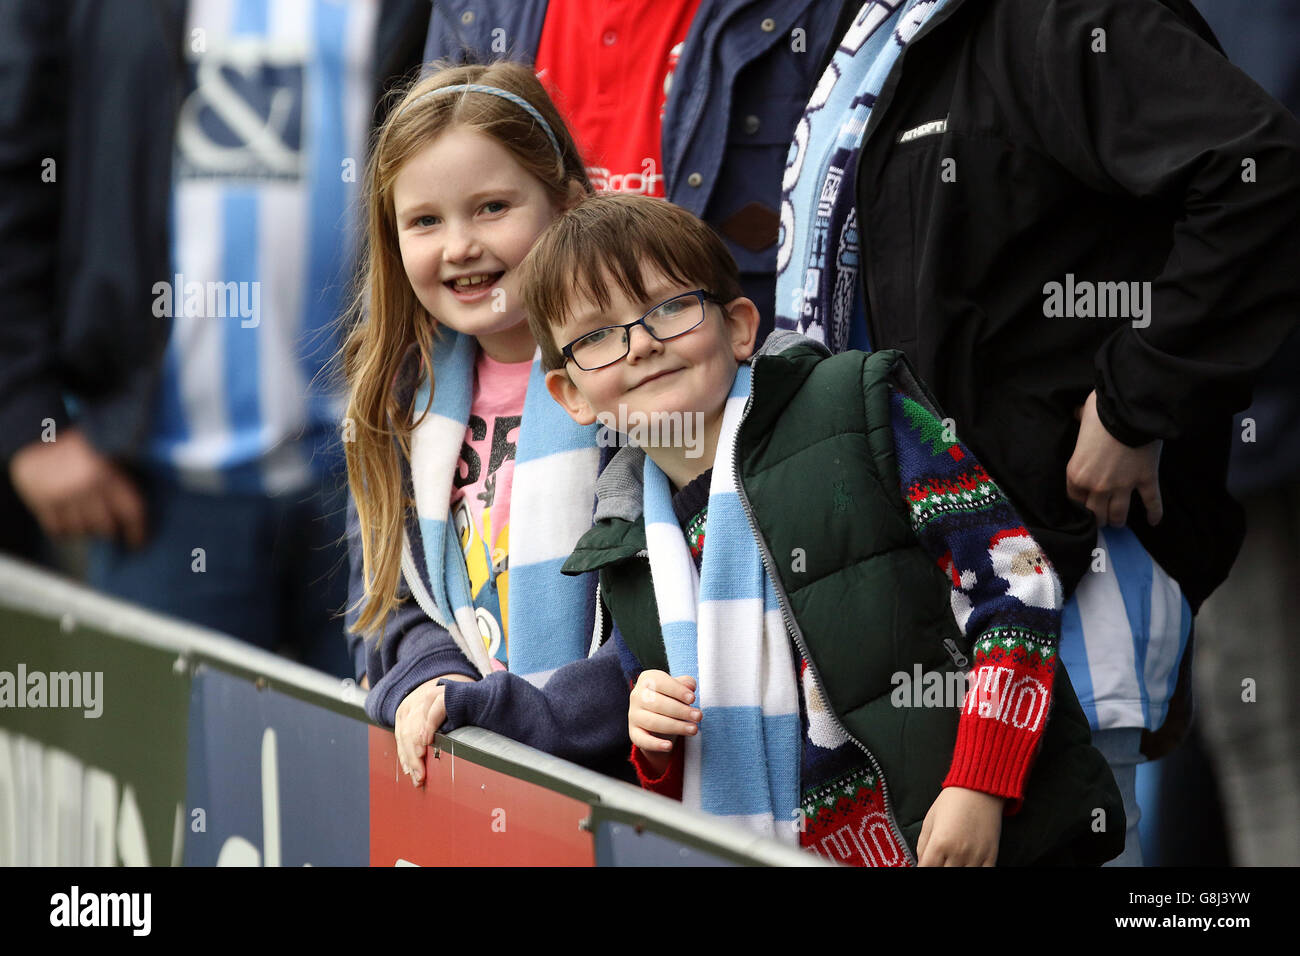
{"x":823,"y":729}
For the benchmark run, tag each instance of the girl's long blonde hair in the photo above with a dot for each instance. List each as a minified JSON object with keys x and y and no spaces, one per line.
{"x":387,"y":318}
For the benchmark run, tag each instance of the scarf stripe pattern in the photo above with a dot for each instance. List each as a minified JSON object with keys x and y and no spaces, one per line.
{"x":723,"y":626}
{"x":1123,"y":633}
{"x":556,"y":463}
{"x":818,"y":259}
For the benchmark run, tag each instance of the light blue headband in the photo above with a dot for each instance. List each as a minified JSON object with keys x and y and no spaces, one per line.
{"x":505,"y":95}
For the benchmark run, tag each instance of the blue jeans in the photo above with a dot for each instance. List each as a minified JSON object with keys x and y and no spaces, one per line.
{"x":271,"y":571}
{"x":1120,"y":748}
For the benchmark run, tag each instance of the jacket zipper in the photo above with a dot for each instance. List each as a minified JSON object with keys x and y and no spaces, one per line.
{"x":415,"y":584}
{"x":792,"y":628}
{"x":598,"y":636}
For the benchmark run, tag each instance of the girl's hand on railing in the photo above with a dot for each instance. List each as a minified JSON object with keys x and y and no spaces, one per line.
{"x":419,"y":716}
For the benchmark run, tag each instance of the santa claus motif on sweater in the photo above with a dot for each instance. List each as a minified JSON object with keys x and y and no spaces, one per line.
{"x":1018,"y":560}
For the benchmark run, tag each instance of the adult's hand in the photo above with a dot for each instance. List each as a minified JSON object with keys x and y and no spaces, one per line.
{"x":73,"y":490}
{"x":1103,"y":472}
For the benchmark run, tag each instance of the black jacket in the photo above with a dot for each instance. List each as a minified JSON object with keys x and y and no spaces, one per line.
{"x":1133,"y":154}
{"x":94,"y":86}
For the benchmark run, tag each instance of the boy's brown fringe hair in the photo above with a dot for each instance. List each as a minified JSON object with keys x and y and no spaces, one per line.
{"x":608,"y":240}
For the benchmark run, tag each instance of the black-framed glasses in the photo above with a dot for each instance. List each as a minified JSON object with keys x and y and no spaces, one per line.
{"x":667,"y":320}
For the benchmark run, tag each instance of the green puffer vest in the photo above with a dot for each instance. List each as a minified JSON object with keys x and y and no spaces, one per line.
{"x":865,"y":601}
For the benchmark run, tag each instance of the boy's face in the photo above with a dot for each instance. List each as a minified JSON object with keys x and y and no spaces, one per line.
{"x":690,"y":373}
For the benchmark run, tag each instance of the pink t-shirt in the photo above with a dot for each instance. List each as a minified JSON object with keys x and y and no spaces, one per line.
{"x":480,"y":496}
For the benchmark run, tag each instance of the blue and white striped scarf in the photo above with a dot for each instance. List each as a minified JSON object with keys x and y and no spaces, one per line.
{"x":556,"y":462}
{"x":723,"y":626}
{"x":817,"y":260}
{"x":1123,"y":633}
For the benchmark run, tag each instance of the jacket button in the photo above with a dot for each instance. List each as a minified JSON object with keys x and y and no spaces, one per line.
{"x":467,"y":17}
{"x":768,"y":25}
{"x":694,"y":179}
{"x":751,"y":124}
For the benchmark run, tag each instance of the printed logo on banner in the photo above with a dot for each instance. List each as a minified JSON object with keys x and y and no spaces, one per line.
{"x":243,"y":116}
{"x":56,"y":810}
{"x":79,"y":783}
{"x":273,"y":781}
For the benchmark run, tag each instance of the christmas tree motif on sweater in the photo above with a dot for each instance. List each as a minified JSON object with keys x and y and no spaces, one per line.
{"x":933,"y":432}
{"x":948,"y":482}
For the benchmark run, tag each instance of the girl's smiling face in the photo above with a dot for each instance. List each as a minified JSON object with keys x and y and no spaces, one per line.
{"x":467,"y":213}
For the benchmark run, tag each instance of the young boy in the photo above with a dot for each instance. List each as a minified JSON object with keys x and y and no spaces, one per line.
{"x":822,"y":565}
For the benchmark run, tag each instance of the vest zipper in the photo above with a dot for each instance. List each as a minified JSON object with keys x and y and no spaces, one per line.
{"x":597,"y":637}
{"x":792,"y":628}
{"x":415,"y":584}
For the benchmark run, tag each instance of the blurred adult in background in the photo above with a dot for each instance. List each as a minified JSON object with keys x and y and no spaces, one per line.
{"x":188,"y":168}
{"x":1247,"y":660}
{"x":1080,"y":223}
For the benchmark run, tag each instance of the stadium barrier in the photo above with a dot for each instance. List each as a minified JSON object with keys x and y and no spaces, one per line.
{"x":127,"y":737}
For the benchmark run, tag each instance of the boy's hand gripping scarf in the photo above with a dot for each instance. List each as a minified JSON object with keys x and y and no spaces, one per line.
{"x":723,"y":626}
{"x":556,"y":462}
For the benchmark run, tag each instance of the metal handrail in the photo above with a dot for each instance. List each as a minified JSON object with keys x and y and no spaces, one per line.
{"x":40,"y":593}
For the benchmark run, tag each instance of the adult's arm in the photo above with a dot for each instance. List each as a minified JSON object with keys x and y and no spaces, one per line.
{"x":1160,"y":115}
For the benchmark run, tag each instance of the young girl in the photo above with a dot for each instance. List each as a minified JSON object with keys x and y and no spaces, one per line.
{"x":469,"y":485}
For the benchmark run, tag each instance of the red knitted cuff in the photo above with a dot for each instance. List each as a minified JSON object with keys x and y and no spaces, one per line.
{"x":994,"y":756}
{"x":667,"y":784}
